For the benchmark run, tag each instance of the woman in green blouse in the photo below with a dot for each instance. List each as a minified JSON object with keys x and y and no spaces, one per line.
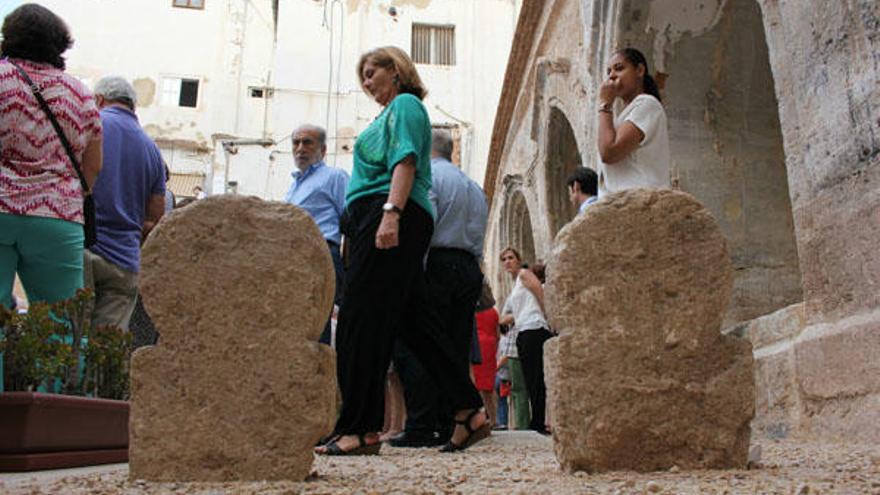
{"x":388,"y":224}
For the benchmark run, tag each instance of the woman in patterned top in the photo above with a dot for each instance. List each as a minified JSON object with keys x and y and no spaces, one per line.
{"x":388,"y":223}
{"x":41,"y":199}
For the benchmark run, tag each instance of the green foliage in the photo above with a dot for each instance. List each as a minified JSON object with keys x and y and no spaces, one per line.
{"x":49,"y":342}
{"x":107,"y":357}
{"x":33,"y":352}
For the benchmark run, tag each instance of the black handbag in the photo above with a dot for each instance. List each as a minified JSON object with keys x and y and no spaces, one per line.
{"x":91,"y":235}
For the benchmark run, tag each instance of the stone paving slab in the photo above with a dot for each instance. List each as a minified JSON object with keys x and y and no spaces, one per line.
{"x":509,"y":463}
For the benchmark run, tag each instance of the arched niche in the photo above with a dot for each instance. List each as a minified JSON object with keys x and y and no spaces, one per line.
{"x":727,"y":144}
{"x":563,"y":157}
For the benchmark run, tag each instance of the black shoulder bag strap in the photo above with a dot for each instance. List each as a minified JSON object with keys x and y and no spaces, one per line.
{"x":88,"y":201}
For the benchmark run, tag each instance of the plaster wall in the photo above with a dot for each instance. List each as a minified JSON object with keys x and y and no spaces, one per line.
{"x":464,"y":94}
{"x":227,"y":46}
{"x":231,"y":47}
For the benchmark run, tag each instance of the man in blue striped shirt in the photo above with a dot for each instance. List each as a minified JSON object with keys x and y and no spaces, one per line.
{"x":320,"y":191}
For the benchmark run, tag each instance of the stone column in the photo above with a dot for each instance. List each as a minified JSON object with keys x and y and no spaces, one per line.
{"x":826,"y":67}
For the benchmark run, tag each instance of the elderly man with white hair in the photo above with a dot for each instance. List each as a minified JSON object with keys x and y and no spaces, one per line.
{"x":129,"y":200}
{"x":319,"y":190}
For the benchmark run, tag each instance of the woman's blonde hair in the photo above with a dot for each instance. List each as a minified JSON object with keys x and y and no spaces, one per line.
{"x":408,"y":80}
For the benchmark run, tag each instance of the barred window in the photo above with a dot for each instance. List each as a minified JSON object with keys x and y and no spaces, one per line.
{"x":432,"y":44}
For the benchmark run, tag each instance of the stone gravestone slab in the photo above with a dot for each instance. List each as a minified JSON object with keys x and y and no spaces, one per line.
{"x":237,"y":387}
{"x":641,"y":377}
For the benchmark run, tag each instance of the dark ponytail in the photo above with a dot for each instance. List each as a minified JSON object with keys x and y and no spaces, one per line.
{"x":636,"y":58}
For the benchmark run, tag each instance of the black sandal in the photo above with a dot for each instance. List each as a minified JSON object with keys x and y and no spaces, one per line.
{"x":363,"y":448}
{"x":473,"y":437}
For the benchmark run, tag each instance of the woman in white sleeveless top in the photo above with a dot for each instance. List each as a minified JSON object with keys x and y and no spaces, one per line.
{"x":634,"y":144}
{"x":524,"y":309}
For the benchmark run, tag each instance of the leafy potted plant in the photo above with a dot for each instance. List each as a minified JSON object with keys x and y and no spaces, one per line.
{"x":54,"y":348}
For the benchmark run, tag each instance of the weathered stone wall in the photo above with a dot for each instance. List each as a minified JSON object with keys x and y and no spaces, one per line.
{"x":727,"y":150}
{"x":752,"y":85}
{"x":537,"y":162}
{"x":724,"y":128}
{"x":826,"y":67}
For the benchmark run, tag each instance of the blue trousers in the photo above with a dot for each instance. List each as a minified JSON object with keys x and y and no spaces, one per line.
{"x":502,"y":403}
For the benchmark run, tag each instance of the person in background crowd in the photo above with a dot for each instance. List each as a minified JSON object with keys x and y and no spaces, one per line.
{"x":634,"y":144}
{"x":524,"y":308}
{"x":389,"y":222}
{"x":129,"y":201}
{"x":583,"y":188}
{"x":487,"y":329}
{"x":502,"y":381}
{"x":454,"y":284}
{"x":199,"y":193}
{"x":319,"y":190}
{"x":41,"y":198}
{"x":518,"y":400}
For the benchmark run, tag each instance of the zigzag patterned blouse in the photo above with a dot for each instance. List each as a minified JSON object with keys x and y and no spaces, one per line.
{"x":36,"y":177}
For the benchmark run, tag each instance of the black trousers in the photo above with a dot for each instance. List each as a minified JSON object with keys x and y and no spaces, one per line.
{"x":530,"y":346}
{"x":454,"y":285}
{"x":386,"y":296}
{"x":339,"y":270}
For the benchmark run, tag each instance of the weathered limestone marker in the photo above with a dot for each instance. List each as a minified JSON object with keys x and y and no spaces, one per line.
{"x":641,"y":377}
{"x":238,"y":387}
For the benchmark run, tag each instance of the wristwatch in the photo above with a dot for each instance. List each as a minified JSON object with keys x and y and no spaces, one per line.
{"x":391,"y":207}
{"x":606,"y":107}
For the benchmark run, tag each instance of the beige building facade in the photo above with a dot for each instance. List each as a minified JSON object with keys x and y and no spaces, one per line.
{"x":774,"y":123}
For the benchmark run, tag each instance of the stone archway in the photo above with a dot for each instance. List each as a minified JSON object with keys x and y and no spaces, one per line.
{"x":518,"y":227}
{"x":563,"y":157}
{"x":516,"y":231}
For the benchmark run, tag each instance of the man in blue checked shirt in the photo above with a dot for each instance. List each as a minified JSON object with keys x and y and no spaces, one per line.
{"x":319,"y":190}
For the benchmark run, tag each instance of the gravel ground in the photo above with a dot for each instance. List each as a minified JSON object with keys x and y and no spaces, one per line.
{"x":514,"y":462}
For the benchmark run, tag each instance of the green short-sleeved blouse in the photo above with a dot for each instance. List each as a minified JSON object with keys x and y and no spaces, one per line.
{"x":402,"y":129}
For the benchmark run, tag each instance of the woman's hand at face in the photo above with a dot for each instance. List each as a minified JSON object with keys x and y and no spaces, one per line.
{"x":608,"y":91}
{"x":386,"y":236}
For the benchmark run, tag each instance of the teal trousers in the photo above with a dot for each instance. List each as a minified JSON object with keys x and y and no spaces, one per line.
{"x":47,"y":254}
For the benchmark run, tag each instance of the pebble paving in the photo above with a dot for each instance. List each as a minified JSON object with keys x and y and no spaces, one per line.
{"x":509,"y":463}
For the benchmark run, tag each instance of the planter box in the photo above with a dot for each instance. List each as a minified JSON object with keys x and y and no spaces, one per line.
{"x":49,"y":431}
